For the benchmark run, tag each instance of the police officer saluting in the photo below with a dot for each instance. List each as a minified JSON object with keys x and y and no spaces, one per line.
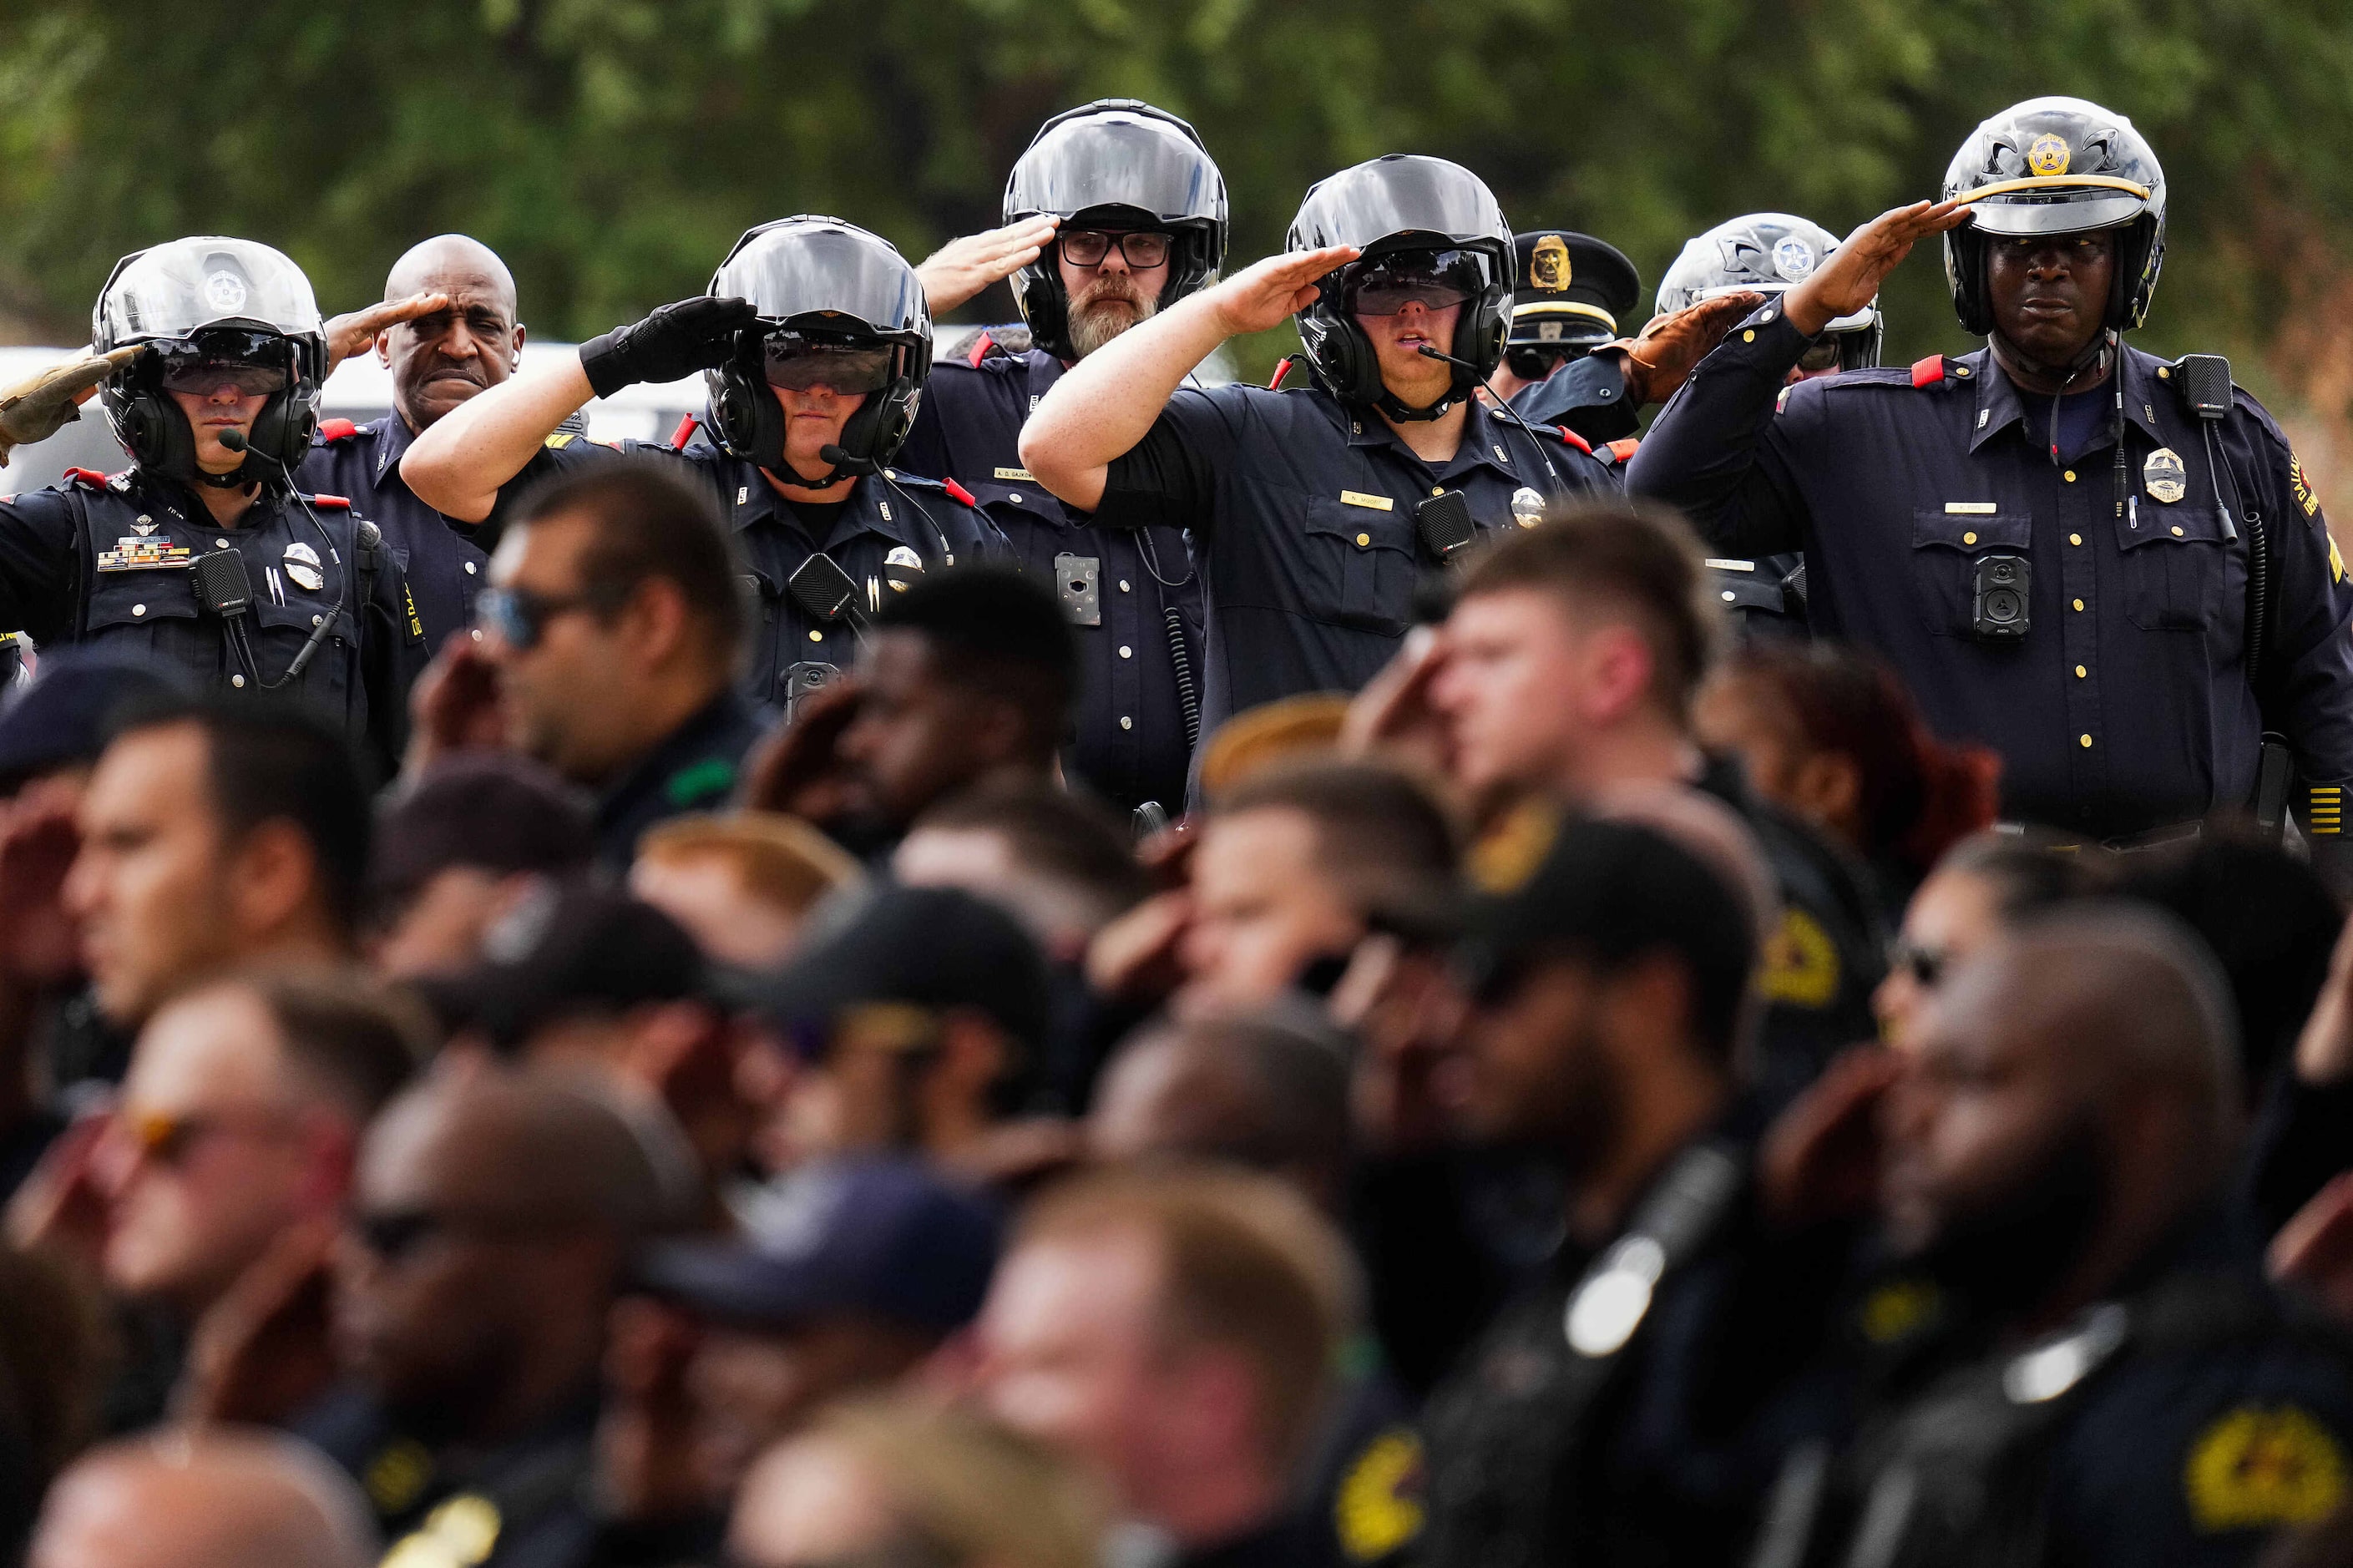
{"x":2108,"y":568}
{"x":204,"y":555}
{"x":1568,"y":292}
{"x":1766,"y":254}
{"x":1315,"y":511}
{"x":815,"y":341}
{"x":1116,"y":211}
{"x":452,"y":332}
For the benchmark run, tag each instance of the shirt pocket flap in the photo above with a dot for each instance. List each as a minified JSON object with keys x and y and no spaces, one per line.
{"x":2170,"y":525}
{"x":1972,"y":534}
{"x":1360,"y":527}
{"x":140,"y":598}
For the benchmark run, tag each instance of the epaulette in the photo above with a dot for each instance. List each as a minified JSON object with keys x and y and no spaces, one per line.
{"x":1623,"y":447}
{"x":960,"y":493}
{"x":341,"y":502}
{"x":980,"y":347}
{"x":684,"y":433}
{"x":88,"y":478}
{"x":337,"y":429}
{"x":560,"y":439}
{"x":1937,"y":370}
{"x":1281,"y":368}
{"x":1574,"y":440}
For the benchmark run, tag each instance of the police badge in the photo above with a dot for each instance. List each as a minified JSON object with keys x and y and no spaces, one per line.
{"x":2164,"y":476}
{"x":301,"y":563}
{"x":1527,"y":507}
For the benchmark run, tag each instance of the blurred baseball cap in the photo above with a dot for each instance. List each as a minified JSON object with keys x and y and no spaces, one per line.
{"x":493,"y":810}
{"x":934,"y":948}
{"x":67,"y":714}
{"x":567,"y":949}
{"x":882,"y":1237}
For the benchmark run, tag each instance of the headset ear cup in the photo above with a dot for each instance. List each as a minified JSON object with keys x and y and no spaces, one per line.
{"x":1046,"y":308}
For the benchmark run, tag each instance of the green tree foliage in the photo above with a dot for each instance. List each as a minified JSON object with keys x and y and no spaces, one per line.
{"x":612,"y":149}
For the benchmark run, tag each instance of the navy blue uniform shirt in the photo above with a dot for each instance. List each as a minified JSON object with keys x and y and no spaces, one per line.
{"x":1301,"y":514}
{"x":1586,"y":395}
{"x":2126,"y":706}
{"x":693,"y":769}
{"x":441,"y":560}
{"x":891,"y":517}
{"x":1131,"y":744}
{"x":105,"y":562}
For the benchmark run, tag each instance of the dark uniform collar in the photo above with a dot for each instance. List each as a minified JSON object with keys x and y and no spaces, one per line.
{"x":874,"y":505}
{"x":1999,"y":404}
{"x":393,"y":438}
{"x":703,"y":733}
{"x":1482,"y":439}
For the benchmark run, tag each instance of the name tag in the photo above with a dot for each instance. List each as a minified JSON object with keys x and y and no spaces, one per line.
{"x":1731,"y":566}
{"x":1358,"y":497}
{"x":1024,"y":475}
{"x":1970,"y":508}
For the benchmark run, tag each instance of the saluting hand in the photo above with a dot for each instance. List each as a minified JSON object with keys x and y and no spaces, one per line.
{"x":1269,"y":292}
{"x":1850,"y":280}
{"x":354,"y":330}
{"x":963,"y":268}
{"x":1660,"y":360}
{"x":43,"y":403}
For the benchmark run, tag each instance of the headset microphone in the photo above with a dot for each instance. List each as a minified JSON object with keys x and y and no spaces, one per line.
{"x":843,"y":463}
{"x":1428,"y":351}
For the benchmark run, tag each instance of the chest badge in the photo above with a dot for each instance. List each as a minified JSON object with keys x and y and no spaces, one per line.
{"x":301,"y":563}
{"x":1527,"y":507}
{"x":137,"y":552}
{"x":2164,"y":476}
{"x":901,"y":567}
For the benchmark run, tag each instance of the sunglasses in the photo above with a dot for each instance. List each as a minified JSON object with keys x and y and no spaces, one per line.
{"x":1141,"y":250}
{"x":521,"y":618}
{"x":1535,"y":364}
{"x":799,"y":364}
{"x":168,"y":1138}
{"x":1925,"y":965}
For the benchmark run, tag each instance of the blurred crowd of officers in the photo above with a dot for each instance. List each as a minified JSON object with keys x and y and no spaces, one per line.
{"x":1026,"y":962}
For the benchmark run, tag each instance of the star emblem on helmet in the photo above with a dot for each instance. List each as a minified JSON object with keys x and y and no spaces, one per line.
{"x":2049,"y":155}
{"x":224,"y":291}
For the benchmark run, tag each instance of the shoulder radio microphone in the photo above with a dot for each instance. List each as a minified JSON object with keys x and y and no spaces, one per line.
{"x":213,"y":586}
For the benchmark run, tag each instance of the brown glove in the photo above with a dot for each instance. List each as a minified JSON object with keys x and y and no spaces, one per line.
{"x":39,"y":407}
{"x":1658,"y":361}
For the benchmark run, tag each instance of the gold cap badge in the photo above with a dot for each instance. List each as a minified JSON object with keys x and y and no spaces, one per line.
{"x":1548,"y":268}
{"x":2049,"y":155}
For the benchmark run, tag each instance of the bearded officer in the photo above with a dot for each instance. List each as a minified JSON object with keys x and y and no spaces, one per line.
{"x":2108,"y":568}
{"x":205,"y":555}
{"x":815,"y":343}
{"x":1116,"y":212}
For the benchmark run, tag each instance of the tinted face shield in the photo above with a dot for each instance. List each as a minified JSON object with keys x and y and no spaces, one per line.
{"x":1435,"y":279}
{"x":255,"y":365}
{"x":799,"y":362}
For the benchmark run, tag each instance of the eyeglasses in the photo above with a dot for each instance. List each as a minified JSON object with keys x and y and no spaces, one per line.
{"x":1535,"y":364}
{"x":798,"y":363}
{"x":1925,"y":965}
{"x":1435,"y":279}
{"x":521,"y":617}
{"x":1141,"y":249}
{"x":168,"y":1138}
{"x":1820,"y":356}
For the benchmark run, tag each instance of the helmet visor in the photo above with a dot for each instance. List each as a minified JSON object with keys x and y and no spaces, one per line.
{"x":1436,"y":279}
{"x":171,"y":290}
{"x":798,"y":362}
{"x":1117,"y":160}
{"x":1395,"y":196}
{"x":807,"y":270}
{"x":2076,"y":211}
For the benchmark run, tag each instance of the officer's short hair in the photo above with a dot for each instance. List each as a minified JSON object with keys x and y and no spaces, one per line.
{"x":1379,"y":834}
{"x":995,"y":631}
{"x":354,"y":1042}
{"x":1629,"y":556}
{"x":648,"y":522}
{"x":1055,"y":837}
{"x":1246,"y":1265}
{"x":275,"y":760}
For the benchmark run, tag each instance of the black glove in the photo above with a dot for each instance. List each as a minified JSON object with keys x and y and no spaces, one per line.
{"x":675,"y":341}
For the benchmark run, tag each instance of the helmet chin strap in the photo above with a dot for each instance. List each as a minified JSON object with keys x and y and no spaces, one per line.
{"x":236,"y":479}
{"x":2090,"y":356}
{"x":1397,"y":408}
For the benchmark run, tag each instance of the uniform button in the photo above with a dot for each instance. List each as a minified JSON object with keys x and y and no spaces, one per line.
{"x":469,"y":568}
{"x":1968,"y":538}
{"x":1438,"y":489}
{"x":1126,"y":722}
{"x":238,"y":682}
{"x":2163,"y":374}
{"x":2080,"y":673}
{"x":478,"y":634}
{"x":2079,"y":604}
{"x":2069,"y":475}
{"x":220,"y":544}
{"x":1730,"y":598}
{"x":1363,"y":540}
{"x":1013,"y":496}
{"x":138,"y":609}
{"x":2074,"y":538}
{"x":315,"y":619}
{"x":817,"y":636}
{"x":2083,"y":740}
{"x":2176,"y":533}
{"x":1749,"y":336}
{"x":1125,"y":651}
{"x":1122,"y":585}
